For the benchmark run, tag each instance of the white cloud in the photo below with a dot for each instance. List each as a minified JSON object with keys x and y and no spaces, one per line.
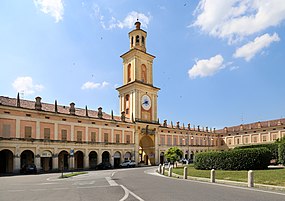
{"x":26,"y":85}
{"x":234,"y":19}
{"x":206,"y":67}
{"x":249,"y":50}
{"x":51,"y":7}
{"x":93,"y":85}
{"x":127,"y":22}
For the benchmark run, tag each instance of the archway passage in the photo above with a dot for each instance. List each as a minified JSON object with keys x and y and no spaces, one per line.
{"x":63,"y":160}
{"x":105,"y":157}
{"x":128,"y":156}
{"x":147,"y":155}
{"x":78,"y":158}
{"x":161,"y":159}
{"x":92,"y":159}
{"x":46,"y":160}
{"x":27,"y":158}
{"x":6,"y":161}
{"x":117,"y":159}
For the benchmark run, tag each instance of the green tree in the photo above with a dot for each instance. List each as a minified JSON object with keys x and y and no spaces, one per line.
{"x":173,"y":154}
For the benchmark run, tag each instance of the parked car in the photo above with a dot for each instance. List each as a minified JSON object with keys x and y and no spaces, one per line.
{"x":104,"y":166}
{"x":128,"y":163}
{"x":29,"y":169}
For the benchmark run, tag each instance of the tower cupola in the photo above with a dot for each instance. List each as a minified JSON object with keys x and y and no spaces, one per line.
{"x":138,"y":38}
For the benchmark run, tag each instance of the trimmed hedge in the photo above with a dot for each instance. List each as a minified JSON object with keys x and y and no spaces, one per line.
{"x":236,"y":159}
{"x":281,"y":152}
{"x":273,"y":147}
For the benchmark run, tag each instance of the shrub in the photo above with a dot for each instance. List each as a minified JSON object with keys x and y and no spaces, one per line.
{"x":281,"y":153}
{"x":273,"y":147}
{"x":237,"y":159}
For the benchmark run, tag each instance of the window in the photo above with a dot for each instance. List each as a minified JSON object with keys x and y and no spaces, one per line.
{"x":254,"y":139}
{"x":117,"y":138}
{"x":28,"y":131}
{"x":181,"y":141}
{"x":93,"y":136}
{"x":128,"y":139}
{"x":6,"y":130}
{"x":162,"y":140}
{"x":129,"y":72}
{"x":63,"y":134}
{"x":79,"y":136}
{"x":132,"y":41}
{"x":274,"y":137}
{"x":46,"y":133}
{"x":143,"y":73}
{"x":246,"y":140}
{"x":230,"y":141}
{"x":168,"y":140}
{"x":238,"y":141}
{"x":264,"y":138}
{"x":142,"y":40}
{"x":137,"y":39}
{"x":106,"y":136}
{"x":175,"y":141}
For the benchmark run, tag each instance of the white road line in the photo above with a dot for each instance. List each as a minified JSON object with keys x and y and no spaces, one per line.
{"x":39,"y":189}
{"x":111,"y":182}
{"x":127,"y":192}
{"x":15,"y":190}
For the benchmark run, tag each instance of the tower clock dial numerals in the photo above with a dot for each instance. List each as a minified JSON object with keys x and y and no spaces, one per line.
{"x":146,"y":102}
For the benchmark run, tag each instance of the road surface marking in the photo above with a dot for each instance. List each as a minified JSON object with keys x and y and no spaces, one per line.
{"x":111,"y":182}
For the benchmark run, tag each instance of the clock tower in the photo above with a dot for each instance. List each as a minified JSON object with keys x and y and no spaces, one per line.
{"x":138,"y":96}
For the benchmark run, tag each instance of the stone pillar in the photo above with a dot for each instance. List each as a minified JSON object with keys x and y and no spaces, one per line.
{"x":56,"y":131}
{"x":86,"y":160}
{"x":38,"y":130}
{"x":213,"y":176}
{"x":72,"y":133}
{"x":18,"y":134}
{"x":55,"y":162}
{"x":17,"y":164}
{"x":38,"y":161}
{"x":170,"y":172}
{"x":99,"y":156}
{"x":71,"y":162}
{"x":163,"y":169}
{"x":185,"y":173}
{"x":250,"y":180}
{"x":159,"y":168}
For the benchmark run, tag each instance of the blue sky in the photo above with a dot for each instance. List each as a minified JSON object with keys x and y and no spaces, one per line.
{"x":218,"y":62}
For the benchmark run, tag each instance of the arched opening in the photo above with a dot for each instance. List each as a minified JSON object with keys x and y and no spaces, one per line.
{"x":105,"y":157}
{"x":63,"y":160}
{"x":128,"y":156}
{"x":142,"y":40}
{"x":6,"y":161}
{"x":46,"y":160}
{"x":147,"y":151}
{"x":117,"y":159}
{"x":132,"y":41}
{"x":78,"y":160}
{"x":92,"y":159}
{"x":129,"y":72}
{"x":27,"y":158}
{"x":143,"y":73}
{"x":161,"y":159}
{"x":137,"y":39}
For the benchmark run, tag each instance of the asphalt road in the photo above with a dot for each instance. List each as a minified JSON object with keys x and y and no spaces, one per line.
{"x":123,"y":184}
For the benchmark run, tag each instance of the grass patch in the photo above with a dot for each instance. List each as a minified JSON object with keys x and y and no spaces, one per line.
{"x":270,"y":177}
{"x":71,"y":174}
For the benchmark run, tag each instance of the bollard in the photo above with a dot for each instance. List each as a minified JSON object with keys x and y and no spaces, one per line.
{"x":250,"y":181}
{"x":163,"y":169}
{"x":170,"y":172}
{"x":185,"y":173}
{"x":159,"y":169}
{"x":213,"y":176}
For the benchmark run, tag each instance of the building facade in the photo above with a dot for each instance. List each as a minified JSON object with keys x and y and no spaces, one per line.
{"x":56,"y":137}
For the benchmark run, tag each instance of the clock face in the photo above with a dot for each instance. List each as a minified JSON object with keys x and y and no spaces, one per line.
{"x":146,"y":102}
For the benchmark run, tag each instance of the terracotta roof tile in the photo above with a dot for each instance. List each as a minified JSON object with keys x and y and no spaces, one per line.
{"x":51,"y":108}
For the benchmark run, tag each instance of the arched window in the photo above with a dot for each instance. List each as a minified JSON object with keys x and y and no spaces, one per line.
{"x":132,"y":41}
{"x":127,"y":104}
{"x":142,"y":40}
{"x":143,"y":73}
{"x":137,"y":39}
{"x":129,"y":72}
